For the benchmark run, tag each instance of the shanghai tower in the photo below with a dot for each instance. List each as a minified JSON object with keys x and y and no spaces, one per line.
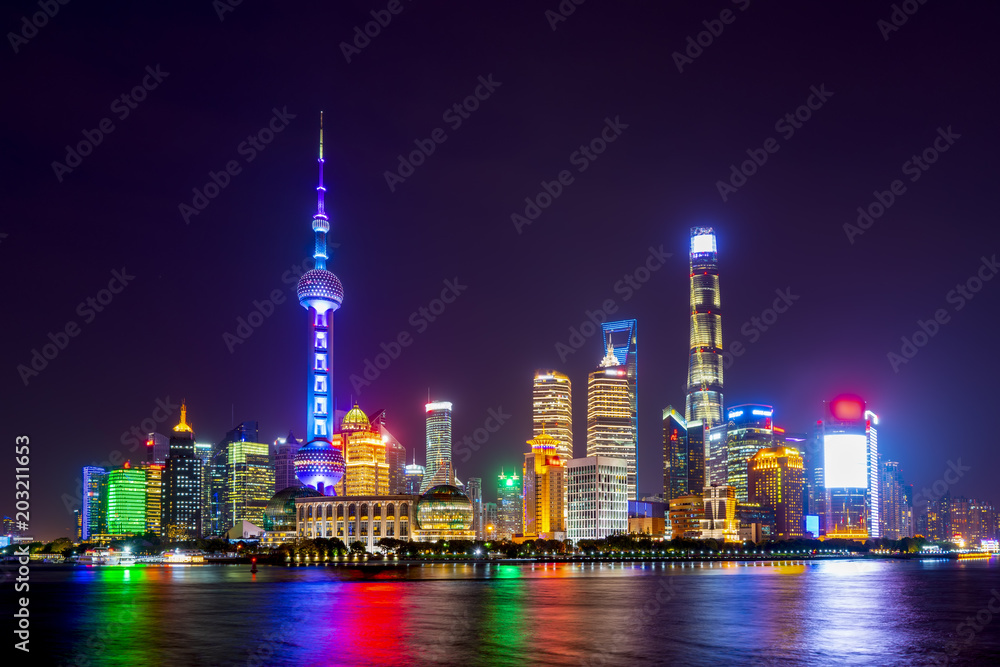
{"x":704,"y":384}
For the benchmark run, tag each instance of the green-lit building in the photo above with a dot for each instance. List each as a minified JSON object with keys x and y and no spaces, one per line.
{"x":126,"y":501}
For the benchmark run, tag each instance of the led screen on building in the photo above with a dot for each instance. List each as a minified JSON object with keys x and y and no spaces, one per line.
{"x":812,"y":524}
{"x":845,"y":461}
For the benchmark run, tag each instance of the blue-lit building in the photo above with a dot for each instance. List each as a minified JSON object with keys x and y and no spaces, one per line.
{"x":620,"y":341}
{"x":749,"y":429}
{"x":93,"y":511}
{"x":319,"y":464}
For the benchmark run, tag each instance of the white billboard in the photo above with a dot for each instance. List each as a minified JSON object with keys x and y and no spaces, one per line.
{"x":845,"y":459}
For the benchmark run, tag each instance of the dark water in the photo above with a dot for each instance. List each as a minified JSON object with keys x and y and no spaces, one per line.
{"x":817,"y":613}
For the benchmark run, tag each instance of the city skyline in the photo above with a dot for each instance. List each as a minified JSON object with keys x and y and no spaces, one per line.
{"x":434,"y":298}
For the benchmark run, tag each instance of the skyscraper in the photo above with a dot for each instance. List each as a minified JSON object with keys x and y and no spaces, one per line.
{"x":704,"y":384}
{"x":157,"y":448}
{"x":490,"y":520}
{"x":683,"y":455}
{"x":395,"y":454}
{"x":126,"y":500}
{"x":610,"y":417}
{"x":182,"y":485}
{"x":552,"y":410}
{"x":874,"y":475}
{"x":249,"y":482}
{"x":474,"y":491}
{"x":719,"y":519}
{"x":320,"y":292}
{"x":439,"y":470}
{"x":748,"y":431}
{"x":775,"y":478}
{"x":598,"y":498}
{"x":622,"y":338}
{"x":367,"y":471}
{"x":892,"y":497}
{"x":283,"y":455}
{"x":544,"y":490}
{"x":93,"y":512}
{"x":845,"y":468}
{"x":510,"y":505}
{"x":154,"y":496}
{"x":414,"y":478}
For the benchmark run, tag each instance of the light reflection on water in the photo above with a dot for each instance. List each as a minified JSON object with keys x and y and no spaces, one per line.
{"x":783,"y":613}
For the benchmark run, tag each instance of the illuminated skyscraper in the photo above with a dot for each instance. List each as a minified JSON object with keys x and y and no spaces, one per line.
{"x":775,"y":478}
{"x":544,"y":490}
{"x":683,"y":456}
{"x":367,"y":471}
{"x":318,"y":464}
{"x":439,"y":468}
{"x":719,"y":519}
{"x":283,"y":455}
{"x":126,"y":501}
{"x":748,"y":431}
{"x":552,"y":410}
{"x":182,"y":485}
{"x":845,"y":468}
{"x":892,"y":498}
{"x":395,"y":454}
{"x":598,"y":498}
{"x":414,"y":478}
{"x":490,"y":520}
{"x":154,"y":496}
{"x":704,"y":384}
{"x":874,"y":476}
{"x":249,"y":482}
{"x":157,"y":448}
{"x":93,"y":519}
{"x":510,"y":505}
{"x":610,"y":417}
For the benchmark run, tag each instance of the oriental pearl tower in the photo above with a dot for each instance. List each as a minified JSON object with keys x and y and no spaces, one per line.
{"x":319,"y":464}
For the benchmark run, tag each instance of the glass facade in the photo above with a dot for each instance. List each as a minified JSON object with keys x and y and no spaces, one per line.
{"x":748,"y":431}
{"x":126,"y":501}
{"x":249,"y":482}
{"x":552,"y":410}
{"x":775,"y":480}
{"x":439,"y":469}
{"x":510,"y":505}
{"x":704,"y":382}
{"x":610,"y":423}
{"x":182,"y":480}
{"x":93,"y":513}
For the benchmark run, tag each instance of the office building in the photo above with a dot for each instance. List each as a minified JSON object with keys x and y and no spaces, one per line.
{"x":249,"y":482}
{"x":597,"y":488}
{"x":775,"y":478}
{"x":686,"y":513}
{"x":756,"y":523}
{"x":439,"y":466}
{"x":719,"y":519}
{"x":748,"y":430}
{"x":873,"y":503}
{"x":648,"y":517}
{"x":683,"y":455}
{"x":367,"y":471}
{"x":845,"y":468}
{"x":126,"y":500}
{"x":510,"y":506}
{"x":544,"y":490}
{"x":474,"y":492}
{"x":491,"y":520}
{"x":283,"y":455}
{"x":93,"y":512}
{"x":552,"y":410}
{"x":704,"y":380}
{"x":716,"y":450}
{"x":610,"y":424}
{"x":154,"y":496}
{"x":157,"y":448}
{"x":621,"y":338}
{"x":414,"y":477}
{"x":182,"y":479}
{"x":893,"y":513}
{"x":395,"y":455}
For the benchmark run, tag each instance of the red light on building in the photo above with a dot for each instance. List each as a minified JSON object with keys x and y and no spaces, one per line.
{"x":848,"y":408}
{"x":778,"y":429}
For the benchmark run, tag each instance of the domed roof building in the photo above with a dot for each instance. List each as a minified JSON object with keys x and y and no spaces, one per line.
{"x":355,"y":420}
{"x":279,"y":514}
{"x":444,"y":513}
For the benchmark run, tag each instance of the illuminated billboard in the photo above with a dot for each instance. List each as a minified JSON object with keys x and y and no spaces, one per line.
{"x":812,"y":524}
{"x":845,"y":460}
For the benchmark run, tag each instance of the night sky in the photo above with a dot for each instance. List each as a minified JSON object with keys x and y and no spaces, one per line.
{"x":67,"y":230}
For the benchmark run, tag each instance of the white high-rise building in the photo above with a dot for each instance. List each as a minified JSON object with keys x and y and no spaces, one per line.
{"x":439,"y":466}
{"x":598,"y":497}
{"x":610,"y":426}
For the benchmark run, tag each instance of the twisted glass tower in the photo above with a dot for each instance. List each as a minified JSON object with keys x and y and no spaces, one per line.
{"x":319,"y":464}
{"x":704,"y":384}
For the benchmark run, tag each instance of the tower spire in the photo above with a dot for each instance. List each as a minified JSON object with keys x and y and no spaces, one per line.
{"x":321,"y":223}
